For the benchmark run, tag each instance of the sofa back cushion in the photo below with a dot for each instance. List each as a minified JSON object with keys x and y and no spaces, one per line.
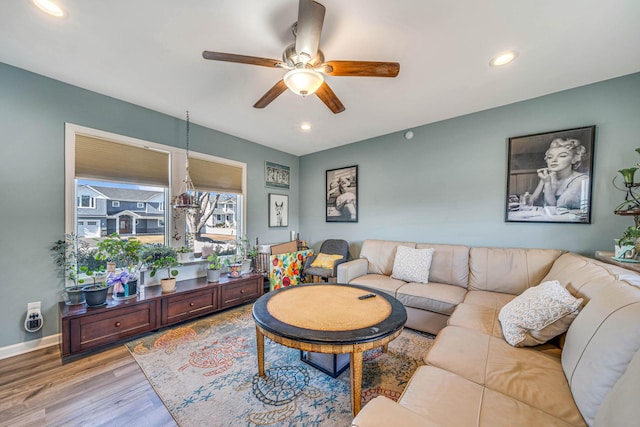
{"x":509,"y":270}
{"x":600,"y":344}
{"x":583,"y":277}
{"x":381,"y":254}
{"x":449,"y":264}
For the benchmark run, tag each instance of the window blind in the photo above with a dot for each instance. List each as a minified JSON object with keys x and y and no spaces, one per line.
{"x":98,"y":158}
{"x":213,"y":176}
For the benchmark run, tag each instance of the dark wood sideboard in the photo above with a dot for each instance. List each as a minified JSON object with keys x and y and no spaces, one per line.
{"x":84,"y":328}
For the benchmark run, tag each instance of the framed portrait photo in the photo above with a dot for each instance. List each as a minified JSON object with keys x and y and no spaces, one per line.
{"x":276,"y":176}
{"x":342,"y":194}
{"x":549,"y":177}
{"x":278,"y":210}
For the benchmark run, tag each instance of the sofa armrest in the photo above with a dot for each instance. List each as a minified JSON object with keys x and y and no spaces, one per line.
{"x":384,"y":412}
{"x":347,"y":271}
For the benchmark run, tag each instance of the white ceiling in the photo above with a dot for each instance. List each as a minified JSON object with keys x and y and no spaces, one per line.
{"x":149,"y":52}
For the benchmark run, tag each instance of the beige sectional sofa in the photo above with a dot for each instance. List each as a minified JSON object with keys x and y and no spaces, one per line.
{"x":473,"y":377}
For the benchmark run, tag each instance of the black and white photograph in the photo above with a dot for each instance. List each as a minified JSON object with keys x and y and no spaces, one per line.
{"x":278,"y":210}
{"x":342,"y":194}
{"x":549,"y":176}
{"x":276,"y":176}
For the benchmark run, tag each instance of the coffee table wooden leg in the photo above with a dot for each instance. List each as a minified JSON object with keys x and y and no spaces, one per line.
{"x":260,"y":348}
{"x":385,"y":348}
{"x":356,"y":381}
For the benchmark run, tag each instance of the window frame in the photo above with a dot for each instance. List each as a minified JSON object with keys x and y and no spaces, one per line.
{"x":177,"y":170}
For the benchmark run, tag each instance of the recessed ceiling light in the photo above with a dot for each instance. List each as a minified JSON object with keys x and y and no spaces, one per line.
{"x":503,"y":59}
{"x":305,"y":126}
{"x":49,"y":7}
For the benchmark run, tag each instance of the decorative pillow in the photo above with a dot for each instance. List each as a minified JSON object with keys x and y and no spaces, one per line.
{"x":286,"y":269}
{"x":412,"y":265}
{"x":325,"y":260}
{"x":538,"y":314}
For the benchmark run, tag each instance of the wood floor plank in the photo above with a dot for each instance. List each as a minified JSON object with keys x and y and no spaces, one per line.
{"x":102,"y":389}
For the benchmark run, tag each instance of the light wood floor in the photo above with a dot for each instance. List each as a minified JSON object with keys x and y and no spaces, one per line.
{"x":103,"y":389}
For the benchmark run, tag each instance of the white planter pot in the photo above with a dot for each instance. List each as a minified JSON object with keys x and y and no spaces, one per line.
{"x":182,"y":257}
{"x":213,"y":275}
{"x":168,"y":285}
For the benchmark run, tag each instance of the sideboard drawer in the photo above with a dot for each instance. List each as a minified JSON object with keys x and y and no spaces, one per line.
{"x":235,"y":293}
{"x":106,"y":327}
{"x":181,"y":307}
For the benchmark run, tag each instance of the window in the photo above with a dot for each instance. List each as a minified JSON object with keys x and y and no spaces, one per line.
{"x":136,"y":171}
{"x":85,"y":201}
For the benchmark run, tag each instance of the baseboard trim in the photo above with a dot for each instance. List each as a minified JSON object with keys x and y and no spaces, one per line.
{"x":28,"y":346}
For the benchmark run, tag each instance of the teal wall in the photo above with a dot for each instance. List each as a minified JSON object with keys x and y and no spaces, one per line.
{"x":448,"y":183}
{"x":33,"y":112}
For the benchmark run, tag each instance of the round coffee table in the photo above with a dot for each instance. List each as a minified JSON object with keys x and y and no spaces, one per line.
{"x":329,"y":318}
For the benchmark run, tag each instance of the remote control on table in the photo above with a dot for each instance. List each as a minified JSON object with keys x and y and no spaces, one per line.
{"x":366,"y":296}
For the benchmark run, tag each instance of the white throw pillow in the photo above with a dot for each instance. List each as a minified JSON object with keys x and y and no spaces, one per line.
{"x":412,"y":265}
{"x":538,"y":314}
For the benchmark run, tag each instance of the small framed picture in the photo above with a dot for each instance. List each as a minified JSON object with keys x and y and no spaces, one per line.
{"x":278,"y":210}
{"x":276,"y":176}
{"x":549,"y":177}
{"x":342,"y":195}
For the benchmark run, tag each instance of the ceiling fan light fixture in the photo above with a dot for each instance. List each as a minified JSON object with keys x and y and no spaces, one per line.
{"x":303,"y":81}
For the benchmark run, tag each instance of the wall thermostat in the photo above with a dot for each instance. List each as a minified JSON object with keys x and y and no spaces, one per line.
{"x":34,"y":320}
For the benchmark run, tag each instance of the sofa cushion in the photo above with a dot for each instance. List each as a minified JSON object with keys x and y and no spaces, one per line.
{"x":620,"y":407}
{"x":508,"y":270}
{"x":478,"y":318}
{"x":539,"y":314}
{"x":488,"y":299}
{"x":436,"y":297}
{"x":450,"y":264}
{"x":532,"y":377}
{"x":412,"y":265}
{"x":583,"y":277}
{"x":600,"y":345}
{"x":380,"y":254}
{"x":380,"y":282}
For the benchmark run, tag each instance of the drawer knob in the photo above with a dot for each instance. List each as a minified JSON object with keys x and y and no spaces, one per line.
{"x":242,"y":291}
{"x":118,"y":324}
{"x":191,"y":304}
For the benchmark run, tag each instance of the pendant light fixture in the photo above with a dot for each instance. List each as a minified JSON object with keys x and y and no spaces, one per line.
{"x":186,"y":198}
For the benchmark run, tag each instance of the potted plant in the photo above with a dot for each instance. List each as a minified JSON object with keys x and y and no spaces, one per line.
{"x":96,"y":293}
{"x":123,"y":253}
{"x":168,"y":262}
{"x":65,"y":255}
{"x":119,"y":252}
{"x":214,"y":267}
{"x":626,"y":247}
{"x":244,"y":254}
{"x":124,"y":284}
{"x":184,"y":254}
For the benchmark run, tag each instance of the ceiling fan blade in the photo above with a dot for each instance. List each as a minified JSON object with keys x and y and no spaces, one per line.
{"x":329,"y":98}
{"x":309,"y":27}
{"x":242,"y":59}
{"x":271,"y":94}
{"x":362,"y":68}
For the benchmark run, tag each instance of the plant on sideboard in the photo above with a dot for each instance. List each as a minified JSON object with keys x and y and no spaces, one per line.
{"x":157,"y":257}
{"x":122,"y":252}
{"x":213,"y":268}
{"x":65,"y":256}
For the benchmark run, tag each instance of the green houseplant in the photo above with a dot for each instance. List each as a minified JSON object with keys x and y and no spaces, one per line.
{"x":627,"y":245}
{"x":184,"y":254}
{"x":96,"y":293}
{"x":168,"y":262}
{"x":65,"y":256}
{"x":123,"y":253}
{"x":214,"y":267}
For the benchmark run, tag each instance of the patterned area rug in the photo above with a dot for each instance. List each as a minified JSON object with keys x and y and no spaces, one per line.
{"x":205,"y":372}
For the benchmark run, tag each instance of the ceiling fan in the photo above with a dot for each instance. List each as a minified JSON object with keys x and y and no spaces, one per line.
{"x":305,"y":62}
